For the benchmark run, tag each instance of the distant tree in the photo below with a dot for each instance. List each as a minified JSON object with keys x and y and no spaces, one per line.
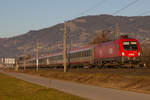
{"x":102,"y":36}
{"x":146,"y":55}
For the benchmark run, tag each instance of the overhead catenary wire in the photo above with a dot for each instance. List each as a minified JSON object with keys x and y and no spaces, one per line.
{"x":116,"y":12}
{"x":102,"y":2}
{"x":89,"y":9}
{"x":126,"y":6}
{"x":143,"y":13}
{"x":139,"y":15}
{"x":123,"y":8}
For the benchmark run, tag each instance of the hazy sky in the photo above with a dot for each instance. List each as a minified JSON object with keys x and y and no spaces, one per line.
{"x":20,"y":16}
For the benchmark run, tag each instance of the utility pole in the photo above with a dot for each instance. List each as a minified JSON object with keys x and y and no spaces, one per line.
{"x":65,"y":48}
{"x":24,"y":62}
{"x":37,"y":55}
{"x":69,"y":54}
{"x":17,"y":66}
{"x":117,"y":31}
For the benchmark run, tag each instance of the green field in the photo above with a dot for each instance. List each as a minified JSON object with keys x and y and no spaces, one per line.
{"x":14,"y":89}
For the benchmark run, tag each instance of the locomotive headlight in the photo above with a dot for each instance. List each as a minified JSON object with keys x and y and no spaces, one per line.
{"x":139,"y":53}
{"x":123,"y":53}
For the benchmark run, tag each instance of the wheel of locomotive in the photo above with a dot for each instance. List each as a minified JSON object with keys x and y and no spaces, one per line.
{"x":98,"y":64}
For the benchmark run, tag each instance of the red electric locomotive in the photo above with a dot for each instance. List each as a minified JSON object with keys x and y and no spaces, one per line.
{"x":122,"y":51}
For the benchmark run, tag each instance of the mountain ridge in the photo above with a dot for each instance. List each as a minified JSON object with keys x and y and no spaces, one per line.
{"x":81,"y":31}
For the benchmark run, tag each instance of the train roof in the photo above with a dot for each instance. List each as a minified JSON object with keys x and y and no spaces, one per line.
{"x":87,"y":47}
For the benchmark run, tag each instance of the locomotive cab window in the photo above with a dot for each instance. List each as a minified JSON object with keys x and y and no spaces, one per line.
{"x":126,"y":45}
{"x":133,"y":45}
{"x":130,"y":45}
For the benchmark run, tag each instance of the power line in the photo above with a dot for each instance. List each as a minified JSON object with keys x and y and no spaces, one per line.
{"x":144,"y":13}
{"x":91,"y":8}
{"x":128,"y":5}
{"x":102,"y":2}
{"x":123,"y":8}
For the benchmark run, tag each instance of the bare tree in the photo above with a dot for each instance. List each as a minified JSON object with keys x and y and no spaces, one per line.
{"x":102,"y":36}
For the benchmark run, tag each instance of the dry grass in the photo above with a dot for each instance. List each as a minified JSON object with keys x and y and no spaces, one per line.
{"x":127,"y":79}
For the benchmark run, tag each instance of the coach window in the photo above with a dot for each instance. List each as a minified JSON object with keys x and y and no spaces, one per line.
{"x":57,"y":57}
{"x":79,"y":54}
{"x":84,"y":53}
{"x":71,"y":55}
{"x":118,"y":46}
{"x":88,"y":53}
{"x":61,"y":57}
{"x":75,"y":55}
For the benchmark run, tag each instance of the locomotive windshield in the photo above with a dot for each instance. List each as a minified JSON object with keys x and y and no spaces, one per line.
{"x":130,"y":45}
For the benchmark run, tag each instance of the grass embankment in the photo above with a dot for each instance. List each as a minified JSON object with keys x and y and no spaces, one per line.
{"x":14,"y":89}
{"x":126,"y":79}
